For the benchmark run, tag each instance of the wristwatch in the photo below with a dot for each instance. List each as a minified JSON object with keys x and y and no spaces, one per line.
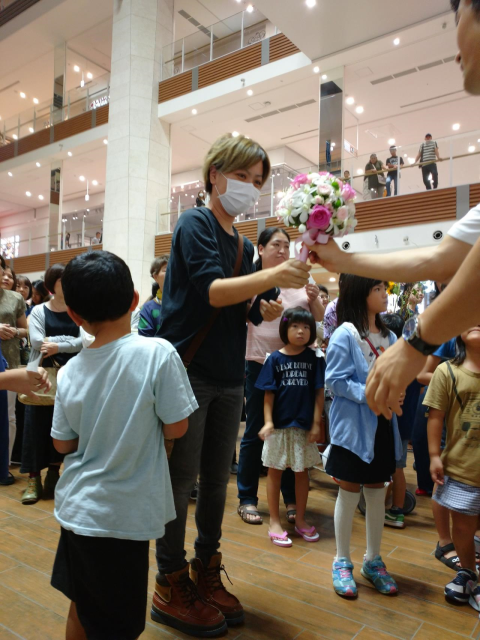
{"x":411,"y":334}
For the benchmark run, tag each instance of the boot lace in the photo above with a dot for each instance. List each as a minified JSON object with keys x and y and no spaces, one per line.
{"x":213,"y":578}
{"x":188,"y":592}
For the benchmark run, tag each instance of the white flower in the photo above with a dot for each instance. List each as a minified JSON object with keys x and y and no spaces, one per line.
{"x":302,"y":228}
{"x":304,"y":216}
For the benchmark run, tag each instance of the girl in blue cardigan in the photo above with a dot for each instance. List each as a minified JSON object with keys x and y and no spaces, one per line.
{"x":364,"y":448}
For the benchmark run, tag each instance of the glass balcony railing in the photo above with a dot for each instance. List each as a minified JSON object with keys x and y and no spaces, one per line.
{"x":217,"y":40}
{"x":459,"y":165}
{"x":95,"y":93}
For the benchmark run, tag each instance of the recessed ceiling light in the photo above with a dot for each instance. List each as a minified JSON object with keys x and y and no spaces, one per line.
{"x":10,"y":174}
{"x":105,"y":141}
{"x":316,"y":69}
{"x":95,"y":183}
{"x":249,"y":92}
{"x":31,"y":129}
{"x":391,"y":141}
{"x":411,"y":160}
{"x":23,"y":95}
{"x":28,"y":194}
{"x":332,"y":279}
{"x":250,"y":8}
{"x":235,"y":134}
{"x":15,"y":137}
{"x":81,"y":178}
{"x":76,"y":68}
{"x":194,"y":112}
{"x":405,"y":155}
{"x":280,"y":194}
{"x":89,"y":75}
{"x":359,"y":172}
{"x":350,"y":100}
{"x":40,"y":197}
{"x":359,"y":109}
{"x":35,"y":101}
{"x":311,"y":3}
{"x":456,"y":126}
{"x":332,"y":144}
{"x":396,"y":42}
{"x":88,"y":210}
{"x":38,"y":164}
{"x":324,"y":77}
{"x":69,"y":153}
{"x":471,"y":148}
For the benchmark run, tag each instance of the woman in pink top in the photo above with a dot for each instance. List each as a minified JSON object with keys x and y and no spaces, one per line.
{"x":273,"y":249}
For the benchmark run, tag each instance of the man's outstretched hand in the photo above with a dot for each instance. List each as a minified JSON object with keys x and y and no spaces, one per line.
{"x":393,"y":371}
{"x":329,"y":256}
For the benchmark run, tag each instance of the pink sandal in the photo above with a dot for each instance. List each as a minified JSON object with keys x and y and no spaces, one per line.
{"x":309,"y":535}
{"x":280,"y":540}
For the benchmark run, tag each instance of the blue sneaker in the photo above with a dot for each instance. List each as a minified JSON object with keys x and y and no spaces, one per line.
{"x":342,"y":577}
{"x":376,"y":572}
{"x":459,"y":590}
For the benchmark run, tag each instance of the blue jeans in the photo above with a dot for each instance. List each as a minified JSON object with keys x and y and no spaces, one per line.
{"x":206,"y":452}
{"x":392,"y":177}
{"x":420,"y":446}
{"x":250,"y":458}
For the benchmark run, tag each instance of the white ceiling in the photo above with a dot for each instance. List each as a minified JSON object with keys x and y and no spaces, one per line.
{"x":331,"y":27}
{"x":89,"y":161}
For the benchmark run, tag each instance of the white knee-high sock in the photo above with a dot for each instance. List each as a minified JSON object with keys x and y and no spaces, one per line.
{"x":345,"y":507}
{"x":375,"y":504}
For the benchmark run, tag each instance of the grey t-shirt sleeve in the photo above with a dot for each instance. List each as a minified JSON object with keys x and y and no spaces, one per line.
{"x":174,"y":398}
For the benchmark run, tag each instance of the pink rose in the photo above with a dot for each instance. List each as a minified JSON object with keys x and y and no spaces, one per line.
{"x":348,"y":192}
{"x":299,"y":180}
{"x":342,"y":214}
{"x":319,"y":218}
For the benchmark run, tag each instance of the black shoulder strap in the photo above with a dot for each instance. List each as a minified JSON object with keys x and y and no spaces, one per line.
{"x":455,"y":390}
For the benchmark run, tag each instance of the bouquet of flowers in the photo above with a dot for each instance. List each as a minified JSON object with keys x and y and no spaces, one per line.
{"x":320,"y":206}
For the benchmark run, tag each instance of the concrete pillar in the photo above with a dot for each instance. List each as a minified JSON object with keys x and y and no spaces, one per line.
{"x":138,"y":153}
{"x":55,"y":206}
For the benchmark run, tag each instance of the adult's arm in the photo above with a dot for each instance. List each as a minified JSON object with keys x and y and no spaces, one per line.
{"x":441,"y":321}
{"x":429,"y":263}
{"x":225,"y":292}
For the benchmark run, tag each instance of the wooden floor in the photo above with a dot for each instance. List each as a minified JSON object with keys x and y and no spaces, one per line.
{"x":287,"y":593}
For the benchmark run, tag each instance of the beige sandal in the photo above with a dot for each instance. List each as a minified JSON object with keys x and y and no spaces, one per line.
{"x":243,"y":512}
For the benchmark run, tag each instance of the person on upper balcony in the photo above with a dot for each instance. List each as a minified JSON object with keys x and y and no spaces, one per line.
{"x":429,"y":153}
{"x":392,"y":164}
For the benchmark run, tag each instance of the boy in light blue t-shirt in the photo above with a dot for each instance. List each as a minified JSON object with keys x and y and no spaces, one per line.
{"x":115,"y":403}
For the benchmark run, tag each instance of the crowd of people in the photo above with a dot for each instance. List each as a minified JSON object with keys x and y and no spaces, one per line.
{"x":139,"y":402}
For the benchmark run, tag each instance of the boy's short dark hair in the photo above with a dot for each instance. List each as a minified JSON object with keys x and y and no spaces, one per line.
{"x":300,"y":315}
{"x":394,"y":322}
{"x":98,"y":286}
{"x":52,"y":274}
{"x":324,"y":289}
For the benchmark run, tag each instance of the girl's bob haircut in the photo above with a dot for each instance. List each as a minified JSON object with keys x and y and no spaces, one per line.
{"x":231,"y":154}
{"x":301,"y":316}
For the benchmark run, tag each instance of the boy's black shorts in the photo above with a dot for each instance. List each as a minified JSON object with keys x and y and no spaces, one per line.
{"x":107,"y":579}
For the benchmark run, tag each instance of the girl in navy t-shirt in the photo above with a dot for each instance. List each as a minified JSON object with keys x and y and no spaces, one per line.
{"x":293,"y":381}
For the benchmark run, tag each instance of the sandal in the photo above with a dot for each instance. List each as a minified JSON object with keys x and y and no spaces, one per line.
{"x":281,"y":540}
{"x":309,"y":535}
{"x":451,"y":563}
{"x":243,"y":512}
{"x":291,"y":516}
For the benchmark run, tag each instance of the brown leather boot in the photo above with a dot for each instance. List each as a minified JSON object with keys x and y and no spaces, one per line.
{"x":211,"y":589}
{"x":176,"y":603}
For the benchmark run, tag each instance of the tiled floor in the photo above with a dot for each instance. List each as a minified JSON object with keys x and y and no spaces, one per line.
{"x":287,"y":593}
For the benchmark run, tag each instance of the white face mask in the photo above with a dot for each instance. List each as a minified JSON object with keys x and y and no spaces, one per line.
{"x":238,"y":197}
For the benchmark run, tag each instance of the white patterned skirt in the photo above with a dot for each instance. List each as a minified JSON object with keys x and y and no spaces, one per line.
{"x":290,"y":448}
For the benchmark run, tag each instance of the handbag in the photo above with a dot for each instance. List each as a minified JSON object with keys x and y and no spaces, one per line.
{"x":43,"y":399}
{"x":380,"y":177}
